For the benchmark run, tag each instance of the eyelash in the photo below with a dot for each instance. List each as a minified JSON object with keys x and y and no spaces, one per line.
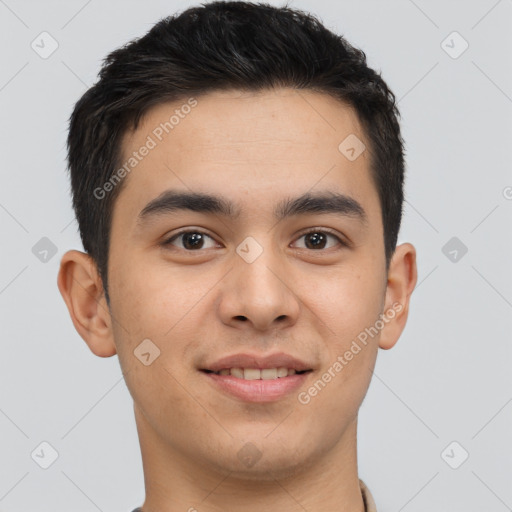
{"x":168,"y":242}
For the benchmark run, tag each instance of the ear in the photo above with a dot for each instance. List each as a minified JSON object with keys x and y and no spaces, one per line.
{"x":80,"y":285}
{"x":402,"y":277}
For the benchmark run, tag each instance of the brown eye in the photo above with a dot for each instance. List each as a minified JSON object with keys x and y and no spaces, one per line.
{"x":317,"y":240}
{"x":190,"y":240}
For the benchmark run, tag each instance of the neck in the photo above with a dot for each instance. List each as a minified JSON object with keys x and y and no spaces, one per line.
{"x":175,"y":482}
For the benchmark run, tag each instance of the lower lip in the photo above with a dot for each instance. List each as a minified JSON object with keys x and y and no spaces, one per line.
{"x":258,"y":390}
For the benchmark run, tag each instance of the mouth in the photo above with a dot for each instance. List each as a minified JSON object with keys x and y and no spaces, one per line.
{"x":254,"y":378}
{"x":258,"y":373}
{"x":255,"y":384}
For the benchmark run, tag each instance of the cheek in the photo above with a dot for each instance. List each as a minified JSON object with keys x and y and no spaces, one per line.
{"x":349,"y":302}
{"x":350,"y":307}
{"x":146,"y":307}
{"x":145,"y":299}
{"x":351,"y":349}
{"x":161,"y":304}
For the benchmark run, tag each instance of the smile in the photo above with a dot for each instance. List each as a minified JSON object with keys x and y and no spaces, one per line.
{"x":257,"y":385}
{"x":258,"y":374}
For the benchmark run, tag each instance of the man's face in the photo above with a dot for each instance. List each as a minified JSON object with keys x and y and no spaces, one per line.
{"x":303,"y":285}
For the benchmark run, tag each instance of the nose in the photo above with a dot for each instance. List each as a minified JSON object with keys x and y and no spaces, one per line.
{"x":259,"y":295}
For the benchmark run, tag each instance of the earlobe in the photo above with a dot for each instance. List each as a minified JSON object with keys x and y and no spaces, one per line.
{"x":82,"y":290}
{"x":402,"y":277}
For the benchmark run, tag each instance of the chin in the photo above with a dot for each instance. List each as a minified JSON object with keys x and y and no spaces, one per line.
{"x":265,"y":470}
{"x":262,"y":460}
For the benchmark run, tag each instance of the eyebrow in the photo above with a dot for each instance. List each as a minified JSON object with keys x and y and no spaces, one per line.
{"x":309,"y":203}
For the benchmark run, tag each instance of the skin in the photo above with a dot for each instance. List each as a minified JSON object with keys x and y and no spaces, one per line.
{"x":254,"y":149}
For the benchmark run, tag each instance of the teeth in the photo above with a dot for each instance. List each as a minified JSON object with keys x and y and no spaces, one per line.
{"x":257,"y":374}
{"x":237,"y":372}
{"x":252,"y":374}
{"x":269,"y":373}
{"x":282,"y":372}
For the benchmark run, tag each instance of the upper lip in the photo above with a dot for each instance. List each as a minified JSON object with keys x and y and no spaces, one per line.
{"x":277,"y":360}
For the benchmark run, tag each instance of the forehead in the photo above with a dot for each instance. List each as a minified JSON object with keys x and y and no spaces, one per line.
{"x":238,"y":143}
{"x":281,"y":117}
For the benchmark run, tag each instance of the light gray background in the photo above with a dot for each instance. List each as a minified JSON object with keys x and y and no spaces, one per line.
{"x":448,"y":378}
